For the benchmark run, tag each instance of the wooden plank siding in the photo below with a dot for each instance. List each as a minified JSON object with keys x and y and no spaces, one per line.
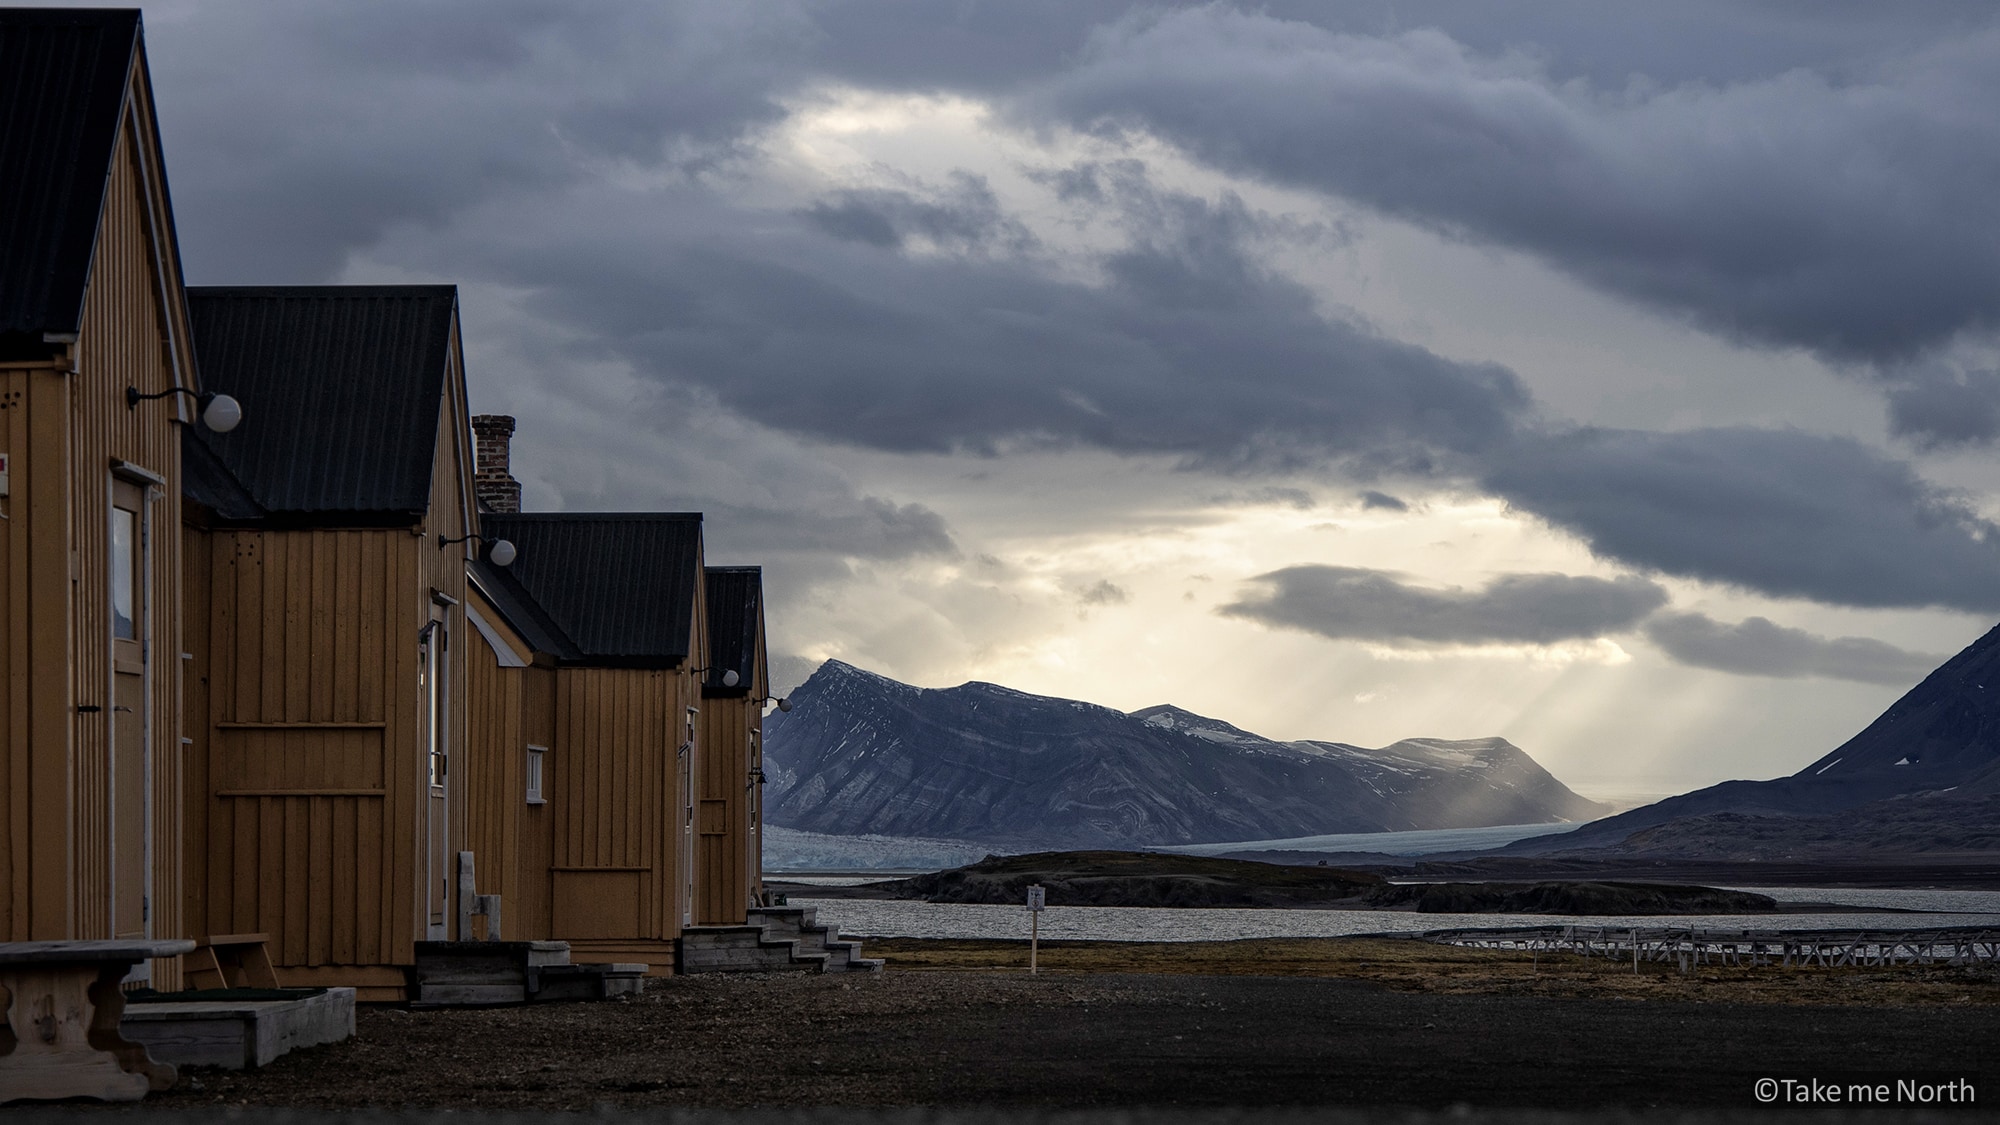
{"x":314,"y":771}
{"x":299,"y":781}
{"x":533,"y":880}
{"x":730,"y":856}
{"x":496,"y":751}
{"x":65,"y":424}
{"x":722,"y":822}
{"x":615,"y":778}
{"x":615,"y":811}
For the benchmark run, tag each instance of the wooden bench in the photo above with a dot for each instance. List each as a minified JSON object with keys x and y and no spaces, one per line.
{"x":231,"y":961}
{"x":64,"y":1005}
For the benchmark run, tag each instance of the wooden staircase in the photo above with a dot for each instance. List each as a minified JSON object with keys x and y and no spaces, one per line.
{"x":775,"y":939}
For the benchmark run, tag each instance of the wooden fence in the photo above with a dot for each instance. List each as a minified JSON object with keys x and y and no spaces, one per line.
{"x":1690,"y":947}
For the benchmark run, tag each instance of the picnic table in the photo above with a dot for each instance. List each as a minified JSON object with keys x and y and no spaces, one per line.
{"x":64,"y":1005}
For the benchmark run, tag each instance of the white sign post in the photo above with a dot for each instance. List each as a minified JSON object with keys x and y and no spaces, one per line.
{"x":1037,"y":902}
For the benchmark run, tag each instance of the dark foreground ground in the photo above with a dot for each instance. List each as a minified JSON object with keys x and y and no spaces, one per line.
{"x":967,"y":1037}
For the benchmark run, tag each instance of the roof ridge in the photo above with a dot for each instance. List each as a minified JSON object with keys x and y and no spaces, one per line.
{"x":324,"y":291}
{"x":598,"y":517}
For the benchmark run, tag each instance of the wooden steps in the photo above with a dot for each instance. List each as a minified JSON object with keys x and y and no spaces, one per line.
{"x":775,"y":939}
{"x":464,"y":974}
{"x":230,"y":961}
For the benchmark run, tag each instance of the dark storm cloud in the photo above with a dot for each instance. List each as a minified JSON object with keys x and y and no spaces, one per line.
{"x":1187,"y":348}
{"x":1757,"y":647}
{"x":965,"y":217}
{"x":1856,"y":217}
{"x":1778,"y":511}
{"x":1375,"y":605}
{"x":297,"y":134}
{"x":498,"y":144}
{"x":1939,"y":405}
{"x":1372,"y":500}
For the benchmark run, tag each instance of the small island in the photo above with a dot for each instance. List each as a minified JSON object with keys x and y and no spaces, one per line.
{"x":1116,"y":878}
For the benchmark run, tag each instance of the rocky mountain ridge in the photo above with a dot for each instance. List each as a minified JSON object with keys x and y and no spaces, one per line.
{"x":1923,"y":766}
{"x":861,"y":753}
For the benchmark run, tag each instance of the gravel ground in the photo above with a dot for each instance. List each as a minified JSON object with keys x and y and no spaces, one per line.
{"x":1079,"y":1041}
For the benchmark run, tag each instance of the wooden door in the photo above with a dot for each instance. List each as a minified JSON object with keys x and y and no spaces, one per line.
{"x":434,"y":701}
{"x":131,"y":811}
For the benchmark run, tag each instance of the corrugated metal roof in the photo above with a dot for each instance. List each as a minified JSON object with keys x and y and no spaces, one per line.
{"x":207,"y":482}
{"x":526,"y":617}
{"x":341,"y":388}
{"x":62,"y":84}
{"x":735,"y":608}
{"x":619,"y":586}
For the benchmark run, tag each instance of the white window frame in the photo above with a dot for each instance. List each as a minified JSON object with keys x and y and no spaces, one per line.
{"x":537,"y":774}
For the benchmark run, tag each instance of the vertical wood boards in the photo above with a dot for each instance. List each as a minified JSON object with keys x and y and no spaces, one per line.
{"x":315,"y":778}
{"x":496,"y":758}
{"x":728,"y":853}
{"x":722,"y":877}
{"x":534,"y":882}
{"x":65,"y":425}
{"x":615,"y":798}
{"x":297,"y":769}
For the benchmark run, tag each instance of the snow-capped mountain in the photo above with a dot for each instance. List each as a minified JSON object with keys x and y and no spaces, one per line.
{"x":863,"y":754}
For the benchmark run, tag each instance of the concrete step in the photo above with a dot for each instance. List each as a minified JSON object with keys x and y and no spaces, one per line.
{"x":745,"y":949}
{"x":844,"y":956}
{"x":784,"y":921}
{"x":590,"y":981}
{"x":468,"y":974}
{"x":239,"y":1029}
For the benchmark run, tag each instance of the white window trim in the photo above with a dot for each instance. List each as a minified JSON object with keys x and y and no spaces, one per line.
{"x":538,"y":774}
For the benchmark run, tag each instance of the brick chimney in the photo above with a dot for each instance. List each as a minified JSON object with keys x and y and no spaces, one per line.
{"x":491,"y":482}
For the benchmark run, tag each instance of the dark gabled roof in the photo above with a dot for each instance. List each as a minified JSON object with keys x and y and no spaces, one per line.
{"x":528,"y":618}
{"x":735,"y":610}
{"x":341,"y":388}
{"x":615,"y":589}
{"x":205,"y":481}
{"x":62,"y":86}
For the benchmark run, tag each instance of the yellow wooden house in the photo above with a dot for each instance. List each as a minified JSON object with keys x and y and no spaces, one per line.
{"x":584,"y":729}
{"x":264,"y":679}
{"x":325,"y":594}
{"x":94,"y":355}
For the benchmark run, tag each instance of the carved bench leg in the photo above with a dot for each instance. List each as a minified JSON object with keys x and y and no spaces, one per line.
{"x":59,"y":1051}
{"x":108,"y":1002}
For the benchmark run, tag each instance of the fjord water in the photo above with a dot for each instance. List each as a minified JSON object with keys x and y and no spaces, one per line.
{"x":896,"y":918}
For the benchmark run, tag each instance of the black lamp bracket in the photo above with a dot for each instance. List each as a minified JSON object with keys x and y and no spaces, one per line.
{"x":133,"y":396}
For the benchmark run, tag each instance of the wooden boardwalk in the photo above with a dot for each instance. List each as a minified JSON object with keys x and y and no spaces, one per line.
{"x":1785,"y":948}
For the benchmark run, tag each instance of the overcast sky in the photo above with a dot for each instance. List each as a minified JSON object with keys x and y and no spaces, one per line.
{"x":1619,"y":378}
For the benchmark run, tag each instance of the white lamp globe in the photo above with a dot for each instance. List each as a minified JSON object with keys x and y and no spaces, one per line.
{"x":222,"y":414}
{"x":501,"y":553}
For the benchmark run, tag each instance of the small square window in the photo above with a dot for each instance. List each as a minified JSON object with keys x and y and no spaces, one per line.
{"x":535,"y":756}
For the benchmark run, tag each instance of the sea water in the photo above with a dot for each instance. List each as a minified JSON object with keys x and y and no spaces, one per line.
{"x":898,"y":918}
